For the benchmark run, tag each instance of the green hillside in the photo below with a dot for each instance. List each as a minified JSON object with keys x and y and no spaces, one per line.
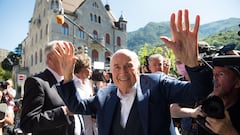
{"x":215,"y":33}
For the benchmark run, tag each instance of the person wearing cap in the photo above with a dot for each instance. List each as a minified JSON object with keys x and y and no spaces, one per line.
{"x":226,"y":78}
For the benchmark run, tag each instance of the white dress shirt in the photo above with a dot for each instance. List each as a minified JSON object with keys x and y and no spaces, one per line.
{"x":85,"y":91}
{"x":126,"y":101}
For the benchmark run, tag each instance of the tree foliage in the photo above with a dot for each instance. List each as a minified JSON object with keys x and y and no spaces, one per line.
{"x":152,"y":31}
{"x":148,"y":50}
{"x":4,"y":75}
{"x":12,"y":59}
{"x":224,"y":38}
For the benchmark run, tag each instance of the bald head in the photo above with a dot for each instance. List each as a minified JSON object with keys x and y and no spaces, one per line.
{"x":125,"y":67}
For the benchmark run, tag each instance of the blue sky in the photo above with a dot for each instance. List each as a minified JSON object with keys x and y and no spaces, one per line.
{"x":15,"y":14}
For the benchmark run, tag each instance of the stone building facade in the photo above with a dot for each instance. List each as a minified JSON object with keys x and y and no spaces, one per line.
{"x":91,"y":26}
{"x":3,"y":54}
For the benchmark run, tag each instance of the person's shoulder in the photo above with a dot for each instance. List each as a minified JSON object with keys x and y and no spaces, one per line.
{"x":151,"y":78}
{"x":107,"y":90}
{"x":152,"y":75}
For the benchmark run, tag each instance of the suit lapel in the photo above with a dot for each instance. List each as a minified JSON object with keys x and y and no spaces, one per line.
{"x":111,"y":103}
{"x":143,"y":96}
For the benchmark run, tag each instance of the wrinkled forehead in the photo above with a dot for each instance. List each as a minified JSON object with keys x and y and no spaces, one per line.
{"x":125,"y":56}
{"x":226,"y":70}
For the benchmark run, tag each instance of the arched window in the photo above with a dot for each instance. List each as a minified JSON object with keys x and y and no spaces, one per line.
{"x":94,"y":55}
{"x":65,"y":29}
{"x":107,"y":39}
{"x":32,"y":42}
{"x":46,"y":29}
{"x":95,"y":5}
{"x":31,"y":60}
{"x":80,"y":34}
{"x":95,"y":18}
{"x":36,"y":58}
{"x":91,"y":17}
{"x":119,"y":41}
{"x":107,"y":54}
{"x":95,"y":34}
{"x":36,"y":38}
{"x":107,"y":59}
{"x":44,"y":12}
{"x":41,"y":34}
{"x":99,"y":19}
{"x":40,"y":56}
{"x":54,"y":4}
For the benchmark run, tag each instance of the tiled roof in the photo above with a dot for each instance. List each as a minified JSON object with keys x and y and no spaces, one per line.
{"x":71,"y":5}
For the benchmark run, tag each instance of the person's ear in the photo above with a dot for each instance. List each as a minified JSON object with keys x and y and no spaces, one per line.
{"x":237,"y":85}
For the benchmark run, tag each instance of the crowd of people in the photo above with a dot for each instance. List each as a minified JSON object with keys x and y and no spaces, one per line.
{"x":7,"y":95}
{"x":63,"y":100}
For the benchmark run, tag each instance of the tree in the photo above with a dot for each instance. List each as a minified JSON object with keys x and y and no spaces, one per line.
{"x":4,"y":75}
{"x":148,"y":50}
{"x":12,"y":58}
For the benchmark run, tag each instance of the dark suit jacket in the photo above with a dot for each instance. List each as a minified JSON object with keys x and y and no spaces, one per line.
{"x":42,"y":113}
{"x":155,"y":93}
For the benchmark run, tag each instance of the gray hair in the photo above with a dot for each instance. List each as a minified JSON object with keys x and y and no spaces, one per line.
{"x":155,"y":56}
{"x":49,"y":48}
{"x":128,"y":53}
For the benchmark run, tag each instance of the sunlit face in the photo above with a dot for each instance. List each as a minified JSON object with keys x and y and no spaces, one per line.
{"x":225,"y":81}
{"x":124,"y":71}
{"x":156,"y":65}
{"x":87,"y":71}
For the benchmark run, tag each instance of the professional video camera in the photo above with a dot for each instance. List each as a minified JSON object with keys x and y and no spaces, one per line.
{"x":208,"y":52}
{"x":213,"y":107}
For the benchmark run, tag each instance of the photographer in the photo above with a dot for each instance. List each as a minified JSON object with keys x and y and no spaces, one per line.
{"x":9,"y":94}
{"x":226,"y":74}
{"x":6,"y":124}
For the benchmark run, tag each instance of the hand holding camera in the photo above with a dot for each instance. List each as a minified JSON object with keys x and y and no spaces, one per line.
{"x":212,"y":107}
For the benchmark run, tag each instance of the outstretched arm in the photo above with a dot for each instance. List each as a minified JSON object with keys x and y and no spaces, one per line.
{"x":64,"y":52}
{"x":182,"y":112}
{"x":184,"y":42}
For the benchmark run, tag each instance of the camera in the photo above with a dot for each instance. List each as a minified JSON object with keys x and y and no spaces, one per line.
{"x":97,"y":75}
{"x":3,"y":85}
{"x":213,"y":107}
{"x":207,"y":52}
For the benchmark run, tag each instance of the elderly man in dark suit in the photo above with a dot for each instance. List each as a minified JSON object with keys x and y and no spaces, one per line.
{"x":44,"y":112}
{"x":139,"y":104}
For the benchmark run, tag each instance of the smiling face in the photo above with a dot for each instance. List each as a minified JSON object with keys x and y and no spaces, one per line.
{"x":155,"y":62}
{"x":125,"y":70}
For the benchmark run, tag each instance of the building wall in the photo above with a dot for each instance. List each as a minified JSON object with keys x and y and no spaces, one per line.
{"x":3,"y":54}
{"x":43,"y":28}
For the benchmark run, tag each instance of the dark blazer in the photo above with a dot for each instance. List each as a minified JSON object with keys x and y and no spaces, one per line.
{"x":42,"y":113}
{"x":155,"y":93}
